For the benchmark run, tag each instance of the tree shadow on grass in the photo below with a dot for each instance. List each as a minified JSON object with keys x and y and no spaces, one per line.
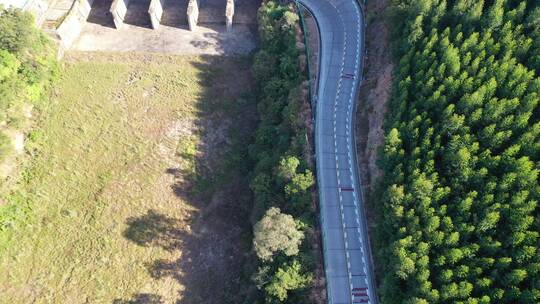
{"x":212,"y":254}
{"x":154,"y":230}
{"x":142,"y":298}
{"x":214,"y":242}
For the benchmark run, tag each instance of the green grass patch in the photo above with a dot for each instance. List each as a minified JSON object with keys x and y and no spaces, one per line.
{"x":74,"y":230}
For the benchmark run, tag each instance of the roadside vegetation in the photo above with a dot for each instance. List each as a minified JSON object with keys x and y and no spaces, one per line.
{"x":140,"y":166}
{"x":459,"y":220}
{"x":137,"y":189}
{"x":27,"y":66}
{"x":158,"y":179}
{"x":283,"y":212}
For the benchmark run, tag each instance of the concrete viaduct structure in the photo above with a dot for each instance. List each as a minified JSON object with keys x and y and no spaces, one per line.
{"x":64,"y":19}
{"x":192,"y":8}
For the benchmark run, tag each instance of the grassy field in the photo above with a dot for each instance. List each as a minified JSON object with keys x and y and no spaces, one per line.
{"x":136,"y":191}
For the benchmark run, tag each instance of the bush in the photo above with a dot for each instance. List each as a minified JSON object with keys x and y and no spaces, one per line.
{"x":27,"y":64}
{"x":281,"y":179}
{"x":288,"y":277}
{"x":17,"y":30}
{"x":276,"y":232}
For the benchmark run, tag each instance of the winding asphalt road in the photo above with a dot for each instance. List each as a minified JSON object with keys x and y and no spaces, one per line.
{"x":347,"y":254}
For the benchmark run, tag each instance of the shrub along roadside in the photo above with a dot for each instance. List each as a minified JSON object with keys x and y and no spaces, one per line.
{"x":27,"y":64}
{"x":281,"y":180}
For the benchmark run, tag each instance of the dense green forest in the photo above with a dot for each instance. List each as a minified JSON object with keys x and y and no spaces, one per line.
{"x":281,"y":181}
{"x":459,"y":219}
{"x":27,"y":62}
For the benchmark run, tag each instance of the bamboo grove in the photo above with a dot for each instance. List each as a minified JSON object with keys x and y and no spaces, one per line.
{"x":459,"y":219}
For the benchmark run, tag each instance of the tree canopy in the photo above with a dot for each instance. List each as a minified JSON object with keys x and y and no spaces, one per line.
{"x":282,"y":179}
{"x":276,"y":232}
{"x":459,"y":217}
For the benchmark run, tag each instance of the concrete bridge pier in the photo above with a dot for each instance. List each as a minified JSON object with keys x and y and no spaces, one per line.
{"x":118,"y":11}
{"x":229,"y":13}
{"x":193,"y":14}
{"x":155,"y":11}
{"x":197,"y":11}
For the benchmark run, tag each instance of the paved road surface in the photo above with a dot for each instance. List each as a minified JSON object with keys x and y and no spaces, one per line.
{"x":346,"y":249}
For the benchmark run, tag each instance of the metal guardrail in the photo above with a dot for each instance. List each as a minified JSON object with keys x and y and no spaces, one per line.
{"x":305,"y":32}
{"x":313,"y":105}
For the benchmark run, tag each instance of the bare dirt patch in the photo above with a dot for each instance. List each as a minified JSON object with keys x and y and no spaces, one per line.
{"x":376,"y":88}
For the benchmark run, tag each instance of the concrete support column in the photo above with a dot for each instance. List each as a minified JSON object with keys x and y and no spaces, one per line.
{"x":229,"y":13}
{"x":155,"y":11}
{"x":118,"y":11}
{"x":70,"y":28}
{"x":193,"y":14}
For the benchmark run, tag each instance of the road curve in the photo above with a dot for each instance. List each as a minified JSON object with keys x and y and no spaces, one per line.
{"x":347,"y":255}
